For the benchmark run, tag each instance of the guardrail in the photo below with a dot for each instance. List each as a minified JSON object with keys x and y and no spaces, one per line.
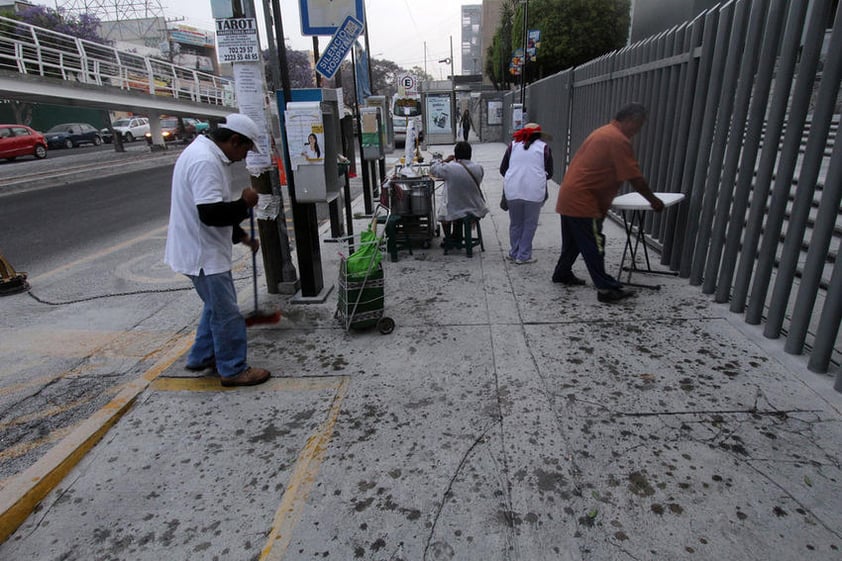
{"x":37,"y":51}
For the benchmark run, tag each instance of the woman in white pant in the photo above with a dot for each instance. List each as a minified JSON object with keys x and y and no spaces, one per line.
{"x":526,"y":166}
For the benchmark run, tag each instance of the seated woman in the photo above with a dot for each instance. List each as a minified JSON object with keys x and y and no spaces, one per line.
{"x":461,"y":195}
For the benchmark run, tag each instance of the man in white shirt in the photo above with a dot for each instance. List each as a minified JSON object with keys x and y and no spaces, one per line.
{"x":204,"y":224}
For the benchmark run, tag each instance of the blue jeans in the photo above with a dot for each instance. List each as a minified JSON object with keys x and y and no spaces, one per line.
{"x":523,"y":221}
{"x":584,"y":235}
{"x":222,"y":329}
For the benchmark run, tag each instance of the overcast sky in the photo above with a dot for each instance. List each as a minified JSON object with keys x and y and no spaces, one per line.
{"x":397,"y":28}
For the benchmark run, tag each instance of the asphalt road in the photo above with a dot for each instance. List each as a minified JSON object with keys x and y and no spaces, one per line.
{"x":41,"y":229}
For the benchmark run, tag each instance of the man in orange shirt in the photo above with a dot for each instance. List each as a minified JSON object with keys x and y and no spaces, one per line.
{"x":601,"y":165}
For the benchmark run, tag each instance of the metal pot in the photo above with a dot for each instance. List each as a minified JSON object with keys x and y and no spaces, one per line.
{"x":398,"y":200}
{"x":421,"y":204}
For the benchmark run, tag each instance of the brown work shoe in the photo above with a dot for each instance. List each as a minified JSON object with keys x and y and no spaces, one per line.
{"x":251,"y":376}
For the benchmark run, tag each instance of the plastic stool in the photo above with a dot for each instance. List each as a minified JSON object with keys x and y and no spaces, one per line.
{"x":467,"y":241}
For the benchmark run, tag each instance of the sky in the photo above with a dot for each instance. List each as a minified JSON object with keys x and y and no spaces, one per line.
{"x":398,"y":29}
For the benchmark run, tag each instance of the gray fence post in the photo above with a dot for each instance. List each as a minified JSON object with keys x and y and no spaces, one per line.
{"x":785,"y":170}
{"x":714,"y":87}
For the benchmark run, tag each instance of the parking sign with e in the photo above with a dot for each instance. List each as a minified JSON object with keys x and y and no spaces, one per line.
{"x":408,"y":84}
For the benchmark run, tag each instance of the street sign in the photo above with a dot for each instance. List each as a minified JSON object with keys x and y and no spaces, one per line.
{"x":236,"y":40}
{"x":407,"y":85}
{"x":324,"y":17}
{"x":339,"y":46}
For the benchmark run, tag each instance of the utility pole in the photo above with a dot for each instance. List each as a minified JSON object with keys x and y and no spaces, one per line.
{"x":524,"y":40}
{"x":304,"y":218}
{"x":274,"y":241}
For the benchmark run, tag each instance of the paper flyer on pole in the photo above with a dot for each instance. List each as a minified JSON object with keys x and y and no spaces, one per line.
{"x":305,"y":134}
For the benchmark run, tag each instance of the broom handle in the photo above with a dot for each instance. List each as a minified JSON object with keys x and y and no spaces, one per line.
{"x":253,"y":259}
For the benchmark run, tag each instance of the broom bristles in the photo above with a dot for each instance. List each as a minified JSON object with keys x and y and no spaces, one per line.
{"x":259,"y":318}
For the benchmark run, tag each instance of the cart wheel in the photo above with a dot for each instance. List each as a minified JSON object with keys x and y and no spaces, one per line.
{"x":386,"y":325}
{"x":425,"y":244}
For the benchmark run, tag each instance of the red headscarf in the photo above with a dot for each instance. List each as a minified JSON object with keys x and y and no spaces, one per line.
{"x":528,"y":131}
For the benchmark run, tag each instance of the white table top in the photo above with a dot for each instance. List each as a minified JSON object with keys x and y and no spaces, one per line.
{"x":635,"y":201}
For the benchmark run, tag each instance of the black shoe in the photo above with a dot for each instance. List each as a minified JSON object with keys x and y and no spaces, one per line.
{"x":570,"y":280}
{"x":613,"y":295}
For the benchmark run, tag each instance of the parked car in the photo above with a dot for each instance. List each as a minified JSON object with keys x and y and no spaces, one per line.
{"x":69,"y":135}
{"x":20,"y":140}
{"x":201,"y":127}
{"x":130,"y":128}
{"x":172,"y":132}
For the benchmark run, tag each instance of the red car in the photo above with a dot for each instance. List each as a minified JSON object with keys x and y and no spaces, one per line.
{"x":20,"y":140}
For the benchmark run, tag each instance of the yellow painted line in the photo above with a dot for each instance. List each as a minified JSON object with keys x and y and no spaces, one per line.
{"x":99,"y":254}
{"x":211,"y":384}
{"x":306,"y":469}
{"x":22,"y":493}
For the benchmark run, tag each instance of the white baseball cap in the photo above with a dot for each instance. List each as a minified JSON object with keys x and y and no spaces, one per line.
{"x":242,"y":124}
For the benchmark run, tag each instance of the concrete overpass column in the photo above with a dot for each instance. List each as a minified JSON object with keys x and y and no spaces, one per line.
{"x":158,"y":143}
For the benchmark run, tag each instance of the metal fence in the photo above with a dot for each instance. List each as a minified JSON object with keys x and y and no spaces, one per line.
{"x":743,"y":117}
{"x":36,"y":51}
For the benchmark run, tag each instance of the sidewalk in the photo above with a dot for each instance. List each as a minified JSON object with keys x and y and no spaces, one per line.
{"x":505,"y":418}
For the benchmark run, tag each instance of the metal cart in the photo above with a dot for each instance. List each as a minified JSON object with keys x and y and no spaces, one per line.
{"x":361,"y":297}
{"x":413,"y":212}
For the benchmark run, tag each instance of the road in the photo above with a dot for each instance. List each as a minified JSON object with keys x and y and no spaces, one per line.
{"x":41,"y":229}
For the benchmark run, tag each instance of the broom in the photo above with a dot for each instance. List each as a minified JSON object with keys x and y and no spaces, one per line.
{"x":258,"y":317}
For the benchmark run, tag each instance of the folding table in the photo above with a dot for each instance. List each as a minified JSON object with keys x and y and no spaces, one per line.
{"x":633,"y":206}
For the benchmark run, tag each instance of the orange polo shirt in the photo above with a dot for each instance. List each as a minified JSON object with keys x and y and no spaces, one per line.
{"x":601,"y":165}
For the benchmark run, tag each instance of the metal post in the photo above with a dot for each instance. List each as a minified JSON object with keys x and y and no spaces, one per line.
{"x":754,"y":181}
{"x":751,"y":145}
{"x":714,"y":87}
{"x":820,"y":240}
{"x":523,"y":40}
{"x":810,"y":167}
{"x":369,"y":208}
{"x":719,"y":118}
{"x":316,"y":60}
{"x":697,"y":72}
{"x":304,"y":216}
{"x":274,"y":65}
{"x":784,"y":172}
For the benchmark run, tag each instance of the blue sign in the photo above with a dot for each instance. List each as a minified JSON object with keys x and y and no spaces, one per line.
{"x":323,"y":17}
{"x":339,"y":46}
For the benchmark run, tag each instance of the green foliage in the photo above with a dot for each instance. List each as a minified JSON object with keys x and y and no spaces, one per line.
{"x":572,"y":32}
{"x":499,"y":53}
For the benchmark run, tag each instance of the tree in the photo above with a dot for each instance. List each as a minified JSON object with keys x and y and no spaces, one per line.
{"x":84,"y":26}
{"x":499,"y":54}
{"x":572,"y":32}
{"x":420,"y":75}
{"x":301,"y":71}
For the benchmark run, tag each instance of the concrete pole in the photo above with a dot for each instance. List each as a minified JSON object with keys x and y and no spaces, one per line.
{"x":279,"y":271}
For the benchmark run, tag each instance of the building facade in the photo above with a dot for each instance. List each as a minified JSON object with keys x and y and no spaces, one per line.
{"x":471,"y":39}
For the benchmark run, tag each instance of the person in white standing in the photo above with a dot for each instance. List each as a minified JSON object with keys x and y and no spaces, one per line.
{"x":526,"y":166}
{"x":204,"y":225}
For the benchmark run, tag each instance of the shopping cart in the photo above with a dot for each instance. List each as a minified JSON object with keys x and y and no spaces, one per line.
{"x":361,"y":283}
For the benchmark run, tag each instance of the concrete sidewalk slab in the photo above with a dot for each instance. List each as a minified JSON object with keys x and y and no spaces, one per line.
{"x":506,"y":417}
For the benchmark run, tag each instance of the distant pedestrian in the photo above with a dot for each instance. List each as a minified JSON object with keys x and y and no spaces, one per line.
{"x":601,"y":165}
{"x":467,"y":124}
{"x":204,"y":221}
{"x":526,"y":166}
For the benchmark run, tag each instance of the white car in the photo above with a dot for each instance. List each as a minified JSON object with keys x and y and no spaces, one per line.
{"x":130,"y":128}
